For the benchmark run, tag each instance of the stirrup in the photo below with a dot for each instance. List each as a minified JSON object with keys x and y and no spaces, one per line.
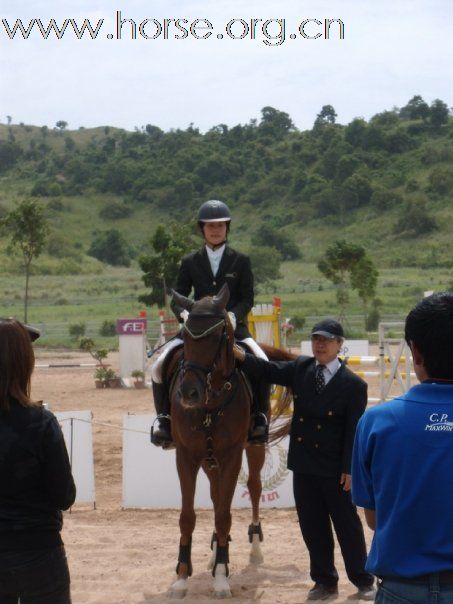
{"x":262,"y":437}
{"x":161,"y":437}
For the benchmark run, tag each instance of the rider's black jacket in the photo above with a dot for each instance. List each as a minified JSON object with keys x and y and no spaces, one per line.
{"x":195,"y":273}
{"x":36,"y":482}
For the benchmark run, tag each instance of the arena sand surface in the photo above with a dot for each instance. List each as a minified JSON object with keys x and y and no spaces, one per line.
{"x":129,"y":556}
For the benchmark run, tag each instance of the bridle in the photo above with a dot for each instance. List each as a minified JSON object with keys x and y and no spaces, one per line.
{"x":204,"y":375}
{"x":203,"y":372}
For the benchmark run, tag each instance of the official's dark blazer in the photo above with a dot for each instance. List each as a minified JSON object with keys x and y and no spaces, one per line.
{"x":323,"y":425}
{"x":195,"y":273}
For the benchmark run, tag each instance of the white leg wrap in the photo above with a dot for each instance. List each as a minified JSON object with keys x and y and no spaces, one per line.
{"x":250,"y":342}
{"x":178,"y":590}
{"x":221,"y":583}
{"x":156,"y":369}
{"x":256,"y":555}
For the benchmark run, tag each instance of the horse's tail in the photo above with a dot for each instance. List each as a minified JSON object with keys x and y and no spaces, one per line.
{"x":279,"y":429}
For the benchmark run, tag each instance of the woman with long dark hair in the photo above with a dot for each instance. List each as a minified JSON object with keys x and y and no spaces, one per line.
{"x":36,"y":482}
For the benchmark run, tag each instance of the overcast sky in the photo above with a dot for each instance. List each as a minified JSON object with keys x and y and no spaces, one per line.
{"x":392,"y":50}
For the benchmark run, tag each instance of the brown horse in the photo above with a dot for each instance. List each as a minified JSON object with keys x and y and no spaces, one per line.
{"x":210,"y":412}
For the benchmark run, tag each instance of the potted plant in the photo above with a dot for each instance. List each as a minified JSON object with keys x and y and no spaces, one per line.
{"x":139,"y":378}
{"x":112,"y":379}
{"x":104,"y":377}
{"x":100,"y":377}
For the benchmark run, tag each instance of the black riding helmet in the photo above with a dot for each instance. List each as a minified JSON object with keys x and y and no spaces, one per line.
{"x":214,"y":211}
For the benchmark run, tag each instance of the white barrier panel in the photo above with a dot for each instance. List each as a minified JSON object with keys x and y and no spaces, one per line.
{"x":150,"y":479}
{"x":77,"y":432}
{"x":349,"y":348}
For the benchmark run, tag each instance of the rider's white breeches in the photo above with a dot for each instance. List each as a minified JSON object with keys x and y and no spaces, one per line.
{"x":156,"y":370}
{"x":255,"y":348}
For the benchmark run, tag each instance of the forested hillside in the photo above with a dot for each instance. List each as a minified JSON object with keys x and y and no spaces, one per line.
{"x":385,"y":184}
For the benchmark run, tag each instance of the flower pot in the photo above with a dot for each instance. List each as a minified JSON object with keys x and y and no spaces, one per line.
{"x":139,"y":384}
{"x":114,"y":383}
{"x":99,"y":383}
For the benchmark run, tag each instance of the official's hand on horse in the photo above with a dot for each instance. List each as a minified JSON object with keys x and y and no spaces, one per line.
{"x":345,"y":480}
{"x":239,"y":354}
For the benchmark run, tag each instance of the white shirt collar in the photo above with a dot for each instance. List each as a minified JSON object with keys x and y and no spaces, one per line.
{"x":333,"y":366}
{"x":215,"y":253}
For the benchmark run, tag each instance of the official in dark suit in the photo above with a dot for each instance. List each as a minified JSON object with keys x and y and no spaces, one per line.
{"x":205,"y":272}
{"x":328,"y":402}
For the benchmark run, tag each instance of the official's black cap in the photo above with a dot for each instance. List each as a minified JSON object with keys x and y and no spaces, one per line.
{"x":329,"y":328}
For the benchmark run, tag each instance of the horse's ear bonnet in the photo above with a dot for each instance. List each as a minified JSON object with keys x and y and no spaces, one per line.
{"x":182,"y":301}
{"x":221,"y":299}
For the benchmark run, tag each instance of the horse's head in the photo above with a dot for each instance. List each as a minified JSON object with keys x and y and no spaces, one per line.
{"x":208,"y":349}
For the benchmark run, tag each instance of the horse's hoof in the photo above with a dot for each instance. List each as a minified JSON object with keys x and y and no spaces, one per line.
{"x":223,"y":593}
{"x":178,"y":590}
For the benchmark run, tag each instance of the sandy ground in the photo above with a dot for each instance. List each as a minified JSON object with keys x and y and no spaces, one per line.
{"x":128,"y":556}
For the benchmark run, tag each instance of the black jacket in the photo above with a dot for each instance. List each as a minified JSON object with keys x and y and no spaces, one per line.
{"x":323,"y":425}
{"x":235,"y":270}
{"x":35,"y":479}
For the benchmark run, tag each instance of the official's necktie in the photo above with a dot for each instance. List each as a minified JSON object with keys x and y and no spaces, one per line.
{"x":320,"y":382}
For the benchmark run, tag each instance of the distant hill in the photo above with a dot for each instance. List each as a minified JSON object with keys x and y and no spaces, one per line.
{"x":386,"y":184}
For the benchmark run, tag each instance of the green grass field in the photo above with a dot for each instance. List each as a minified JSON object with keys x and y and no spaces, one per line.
{"x":58,"y":301}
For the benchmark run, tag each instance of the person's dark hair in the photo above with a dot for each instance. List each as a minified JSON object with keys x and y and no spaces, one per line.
{"x":430,"y":327}
{"x":17,"y":360}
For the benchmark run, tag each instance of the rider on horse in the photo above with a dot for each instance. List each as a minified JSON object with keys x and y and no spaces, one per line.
{"x":205,"y":271}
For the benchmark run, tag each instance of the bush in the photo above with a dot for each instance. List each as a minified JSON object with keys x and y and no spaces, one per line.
{"x":77,"y":330}
{"x":110,"y":247}
{"x":415,"y":219}
{"x":298,"y":321}
{"x":107,"y":329}
{"x":115,"y":211}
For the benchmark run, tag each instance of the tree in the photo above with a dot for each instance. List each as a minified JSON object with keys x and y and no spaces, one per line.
{"x":160,"y":267}
{"x":327,"y":115}
{"x":61,"y":125}
{"x":364,"y":280}
{"x":343,"y":259}
{"x":110,"y":247}
{"x":438,"y":113}
{"x":275,"y":123}
{"x":416,"y":109}
{"x":268,"y":236}
{"x":265,"y":263}
{"x":28,"y":229}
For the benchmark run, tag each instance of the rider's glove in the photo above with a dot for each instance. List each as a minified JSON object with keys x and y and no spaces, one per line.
{"x":184,"y":315}
{"x":232,"y":318}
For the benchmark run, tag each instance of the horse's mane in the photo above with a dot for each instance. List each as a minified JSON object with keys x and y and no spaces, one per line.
{"x":277,"y":429}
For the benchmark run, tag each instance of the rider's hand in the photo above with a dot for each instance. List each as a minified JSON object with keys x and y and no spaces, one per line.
{"x":184,"y":315}
{"x":232,"y":318}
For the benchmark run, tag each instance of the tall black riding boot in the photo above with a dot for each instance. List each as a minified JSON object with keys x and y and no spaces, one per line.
{"x":259,"y":431}
{"x":161,"y":428}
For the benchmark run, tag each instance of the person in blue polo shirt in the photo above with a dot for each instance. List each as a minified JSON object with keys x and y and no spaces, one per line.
{"x":402,"y":470}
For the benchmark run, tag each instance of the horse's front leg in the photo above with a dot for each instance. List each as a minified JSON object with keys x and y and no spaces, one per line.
{"x":255,"y":460}
{"x":187,"y":472}
{"x":227,"y":480}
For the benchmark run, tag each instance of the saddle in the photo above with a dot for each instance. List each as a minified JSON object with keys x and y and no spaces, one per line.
{"x":173,"y":362}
